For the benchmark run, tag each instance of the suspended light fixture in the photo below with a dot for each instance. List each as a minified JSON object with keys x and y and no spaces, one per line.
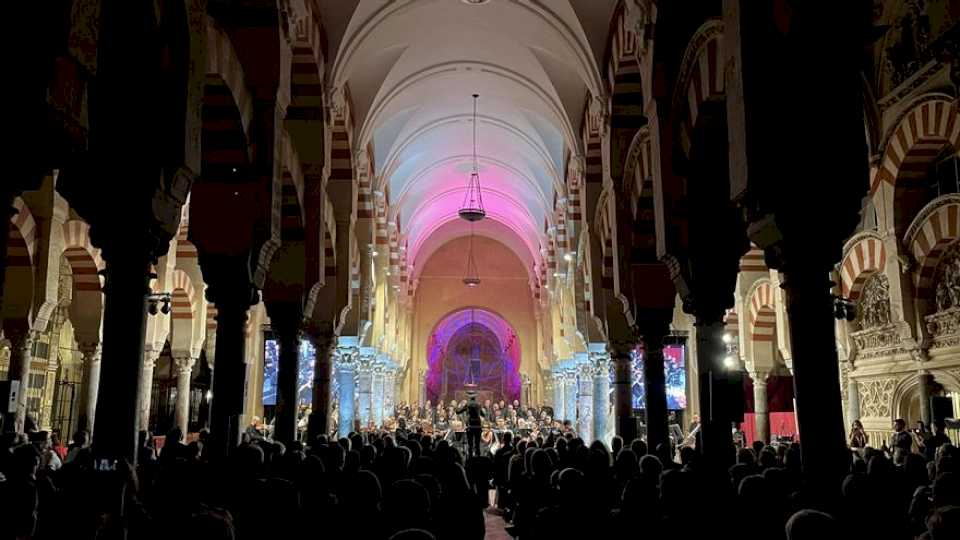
{"x":472,"y":277}
{"x":472,"y":207}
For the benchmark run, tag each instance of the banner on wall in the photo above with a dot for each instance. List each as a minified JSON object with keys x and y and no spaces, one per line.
{"x":675,"y":374}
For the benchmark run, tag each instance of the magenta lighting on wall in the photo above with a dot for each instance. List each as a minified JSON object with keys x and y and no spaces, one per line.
{"x":473,"y":350}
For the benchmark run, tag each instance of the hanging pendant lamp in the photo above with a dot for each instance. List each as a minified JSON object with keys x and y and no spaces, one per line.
{"x":472,"y":207}
{"x":472,"y":277}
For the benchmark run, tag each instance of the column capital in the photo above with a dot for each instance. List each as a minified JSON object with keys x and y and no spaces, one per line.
{"x":759,"y":376}
{"x":346,"y":358}
{"x":184,"y":363}
{"x":91,"y":350}
{"x":150,"y":357}
{"x":621,"y":349}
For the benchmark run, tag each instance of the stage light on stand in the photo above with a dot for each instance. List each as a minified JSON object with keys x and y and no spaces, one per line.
{"x":729,"y":362}
{"x":728,"y":338}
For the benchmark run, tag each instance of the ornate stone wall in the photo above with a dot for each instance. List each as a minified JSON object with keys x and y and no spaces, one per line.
{"x":876,"y":396}
{"x":873,"y":309}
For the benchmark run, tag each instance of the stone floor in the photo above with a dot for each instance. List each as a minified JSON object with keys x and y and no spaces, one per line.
{"x":495,"y":526}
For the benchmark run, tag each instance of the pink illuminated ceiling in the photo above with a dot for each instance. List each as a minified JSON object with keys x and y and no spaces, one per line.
{"x":411,"y":68}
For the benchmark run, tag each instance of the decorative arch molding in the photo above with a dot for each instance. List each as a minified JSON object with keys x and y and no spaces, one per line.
{"x":763,"y":313}
{"x":863,"y":255}
{"x":929,"y":123}
{"x":183,"y":296}
{"x":637,"y":165}
{"x":23,"y":235}
{"x":222,"y":60}
{"x":701,"y":77}
{"x":931,"y":232}
{"x":84,"y":259}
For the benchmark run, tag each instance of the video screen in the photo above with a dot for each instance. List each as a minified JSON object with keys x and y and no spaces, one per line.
{"x":674,"y":367}
{"x":271,"y":360}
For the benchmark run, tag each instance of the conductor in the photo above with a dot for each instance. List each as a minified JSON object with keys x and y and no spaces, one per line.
{"x":474,"y":424}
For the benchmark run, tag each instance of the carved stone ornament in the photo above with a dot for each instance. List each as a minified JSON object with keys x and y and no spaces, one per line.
{"x":947,"y":279}
{"x":944,"y":328}
{"x":876,"y":396}
{"x":877,"y":341}
{"x":874,"y":302}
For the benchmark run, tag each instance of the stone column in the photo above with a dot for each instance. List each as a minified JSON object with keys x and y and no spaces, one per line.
{"x":91,"y":383}
{"x":558,"y":404}
{"x":229,"y":384}
{"x":422,"y":385}
{"x":117,"y":420}
{"x":150,"y":358}
{"x":853,"y":400}
{"x":376,"y":395}
{"x":716,"y":437}
{"x":365,"y":388}
{"x":585,"y":402}
{"x":923,"y":394}
{"x":323,"y":343}
{"x":761,"y":415}
{"x":21,"y":355}
{"x":601,"y":394}
{"x":622,"y":360}
{"x":389,"y":392}
{"x":346,"y":360}
{"x":654,"y":383}
{"x":570,"y":395}
{"x":816,"y":377}
{"x":285,"y":323}
{"x":181,"y":412}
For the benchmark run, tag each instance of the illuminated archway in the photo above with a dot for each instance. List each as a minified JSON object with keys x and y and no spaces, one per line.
{"x":473,"y":345}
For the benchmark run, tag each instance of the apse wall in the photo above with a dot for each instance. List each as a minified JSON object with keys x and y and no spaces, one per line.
{"x":504,"y":289}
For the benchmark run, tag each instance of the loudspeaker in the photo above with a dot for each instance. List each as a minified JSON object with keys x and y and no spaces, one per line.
{"x":941,"y":408}
{"x":9,"y":392}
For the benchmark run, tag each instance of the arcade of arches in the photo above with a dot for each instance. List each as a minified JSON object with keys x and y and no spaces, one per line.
{"x":772,"y":192}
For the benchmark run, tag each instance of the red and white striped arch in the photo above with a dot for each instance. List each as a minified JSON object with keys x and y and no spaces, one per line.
{"x":211,"y":317}
{"x":918,"y":140}
{"x":935,"y":228}
{"x":84,"y":259}
{"x":22,"y":237}
{"x":865,"y":257}
{"x":763,"y":317}
{"x":731,"y":323}
{"x":701,"y":77}
{"x":182,"y":296}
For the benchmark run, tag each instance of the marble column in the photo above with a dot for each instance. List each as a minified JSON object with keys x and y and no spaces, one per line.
{"x":923,"y":394}
{"x":376,"y":395}
{"x":558,"y":404}
{"x":91,"y":383}
{"x":585,"y":402}
{"x":117,"y":420}
{"x":346,"y":361}
{"x":622,"y":360}
{"x":365,"y":388}
{"x":21,"y":355}
{"x":761,"y":416}
{"x":230,"y":381}
{"x":853,"y":400}
{"x":323,"y":343}
{"x":601,"y":394}
{"x":389,"y":392}
{"x":150,"y":358}
{"x":570,"y":395}
{"x":422,"y":385}
{"x":654,"y":383}
{"x":816,"y":374}
{"x":285,"y":322}
{"x":716,"y":437}
{"x":183,"y":365}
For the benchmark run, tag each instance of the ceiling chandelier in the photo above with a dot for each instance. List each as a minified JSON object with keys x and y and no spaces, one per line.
{"x":472,"y":277}
{"x":472,"y":207}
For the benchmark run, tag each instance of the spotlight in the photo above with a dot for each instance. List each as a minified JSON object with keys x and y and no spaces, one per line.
{"x":558,"y":274}
{"x":152,"y":308}
{"x":374,"y":253}
{"x":729,"y":362}
{"x":209,"y":395}
{"x":165,"y":308}
{"x":568,"y":257}
{"x":728,"y":338}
